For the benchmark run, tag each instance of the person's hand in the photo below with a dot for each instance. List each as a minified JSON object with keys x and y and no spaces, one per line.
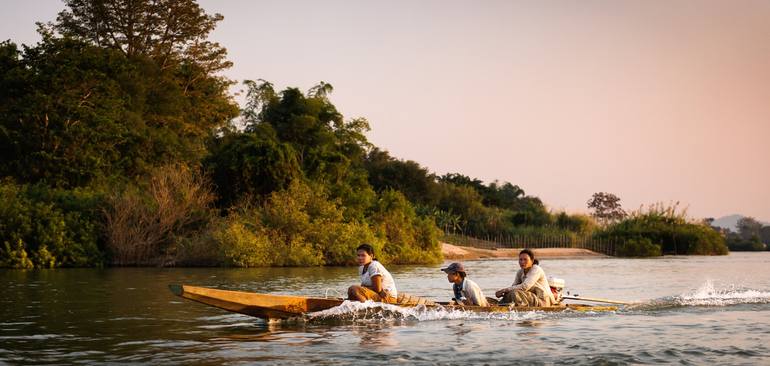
{"x":501,"y":293}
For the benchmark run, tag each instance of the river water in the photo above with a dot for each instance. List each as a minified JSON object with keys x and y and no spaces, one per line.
{"x":689,"y":310}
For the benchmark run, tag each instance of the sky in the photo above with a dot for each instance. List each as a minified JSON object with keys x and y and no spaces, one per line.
{"x":654,"y":101}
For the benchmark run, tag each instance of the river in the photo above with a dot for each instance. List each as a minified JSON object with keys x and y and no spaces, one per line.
{"x":689,"y":310}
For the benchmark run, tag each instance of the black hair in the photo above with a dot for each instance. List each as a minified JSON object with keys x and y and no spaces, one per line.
{"x":462,"y":274}
{"x":367,"y":248}
{"x":531,"y":254}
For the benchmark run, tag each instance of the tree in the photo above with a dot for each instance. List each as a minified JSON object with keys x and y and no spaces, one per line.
{"x":168,"y":31}
{"x":251,"y":164}
{"x":73,"y":112}
{"x":464,"y":180}
{"x":64,"y":118}
{"x":764,"y":235}
{"x":504,"y":195}
{"x":328,"y":149}
{"x":406,"y":176}
{"x":606,"y":207}
{"x":748,"y":228}
{"x":114,"y":89}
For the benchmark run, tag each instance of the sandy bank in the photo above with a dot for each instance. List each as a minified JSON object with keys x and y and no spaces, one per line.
{"x":468,"y":253}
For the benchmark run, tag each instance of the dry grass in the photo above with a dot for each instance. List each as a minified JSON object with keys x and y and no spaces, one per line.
{"x":145,"y":226}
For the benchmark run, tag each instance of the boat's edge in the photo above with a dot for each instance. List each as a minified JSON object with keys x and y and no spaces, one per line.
{"x":176,"y":289}
{"x":279,"y":308}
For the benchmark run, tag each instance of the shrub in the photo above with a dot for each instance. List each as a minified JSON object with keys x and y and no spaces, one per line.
{"x":146,"y":227}
{"x":669,"y":228}
{"x":736,"y":243}
{"x":639,"y":247}
{"x":241,"y":247}
{"x":299,"y":226}
{"x":409,"y":238}
{"x":45,"y":228}
{"x":577,"y":223}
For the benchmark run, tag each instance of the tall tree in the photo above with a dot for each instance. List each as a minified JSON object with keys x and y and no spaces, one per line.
{"x":168,"y":31}
{"x":408,"y":177}
{"x":328,"y":149}
{"x":764,"y":235}
{"x":749,"y":227}
{"x":606,"y":207}
{"x":114,"y":88}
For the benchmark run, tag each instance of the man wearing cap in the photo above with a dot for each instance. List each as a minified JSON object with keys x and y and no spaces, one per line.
{"x":466,"y":291}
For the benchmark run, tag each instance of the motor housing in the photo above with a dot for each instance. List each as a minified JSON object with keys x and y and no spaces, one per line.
{"x":557,"y":288}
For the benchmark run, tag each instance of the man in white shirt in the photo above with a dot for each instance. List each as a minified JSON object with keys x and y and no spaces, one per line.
{"x":466,"y":291}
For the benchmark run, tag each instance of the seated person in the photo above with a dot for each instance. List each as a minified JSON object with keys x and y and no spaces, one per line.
{"x":530,"y":288}
{"x":466,"y":291}
{"x":376,"y":282}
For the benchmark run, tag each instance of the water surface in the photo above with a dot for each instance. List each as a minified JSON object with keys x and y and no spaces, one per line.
{"x":690,"y":310}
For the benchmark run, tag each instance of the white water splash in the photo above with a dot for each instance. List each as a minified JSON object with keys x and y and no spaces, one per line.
{"x":707,"y":295}
{"x":373,"y":311}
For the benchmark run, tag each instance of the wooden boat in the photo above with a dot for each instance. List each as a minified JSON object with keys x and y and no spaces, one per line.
{"x":267,"y":306}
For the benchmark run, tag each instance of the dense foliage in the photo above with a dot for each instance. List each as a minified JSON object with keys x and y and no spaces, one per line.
{"x":667,"y":229}
{"x":120,"y":145}
{"x":751,"y":235}
{"x":43,"y":227}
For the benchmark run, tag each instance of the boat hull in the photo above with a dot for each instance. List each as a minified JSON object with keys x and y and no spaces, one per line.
{"x":267,"y":306}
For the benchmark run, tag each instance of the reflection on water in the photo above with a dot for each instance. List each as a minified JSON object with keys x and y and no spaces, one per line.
{"x":690,"y":310}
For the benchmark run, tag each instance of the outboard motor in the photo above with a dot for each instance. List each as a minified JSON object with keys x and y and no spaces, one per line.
{"x":557,"y":288}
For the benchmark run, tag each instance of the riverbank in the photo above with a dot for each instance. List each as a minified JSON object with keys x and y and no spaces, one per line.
{"x":469,"y":253}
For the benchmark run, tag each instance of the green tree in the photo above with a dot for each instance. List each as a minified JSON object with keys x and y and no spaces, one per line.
{"x":504,"y":195}
{"x":764,"y":235}
{"x":748,"y":228}
{"x":329,"y":149}
{"x":251,"y":164}
{"x":406,"y":176}
{"x":168,"y":31}
{"x":63,"y":113}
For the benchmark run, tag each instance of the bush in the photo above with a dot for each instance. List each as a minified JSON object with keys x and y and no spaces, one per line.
{"x":664,"y":225}
{"x":409,"y":238}
{"x":577,"y":223}
{"x":147,"y":226}
{"x":736,"y":243}
{"x":299,"y":226}
{"x":639,"y":247}
{"x":42,"y":227}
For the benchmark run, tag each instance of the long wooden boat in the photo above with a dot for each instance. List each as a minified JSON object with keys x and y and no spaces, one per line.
{"x":267,"y":306}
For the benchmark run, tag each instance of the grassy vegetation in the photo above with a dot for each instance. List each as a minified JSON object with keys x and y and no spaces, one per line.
{"x":668,"y":229}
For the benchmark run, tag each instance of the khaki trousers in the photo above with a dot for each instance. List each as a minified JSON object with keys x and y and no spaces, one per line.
{"x":524,"y":298}
{"x":368,"y":294}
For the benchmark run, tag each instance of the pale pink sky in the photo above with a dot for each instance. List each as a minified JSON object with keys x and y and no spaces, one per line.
{"x":651,"y":100}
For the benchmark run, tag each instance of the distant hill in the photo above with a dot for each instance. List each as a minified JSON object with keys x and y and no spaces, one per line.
{"x":731,"y":222}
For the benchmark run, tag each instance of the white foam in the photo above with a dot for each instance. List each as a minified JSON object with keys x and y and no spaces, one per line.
{"x":373,"y":311}
{"x":707,"y":295}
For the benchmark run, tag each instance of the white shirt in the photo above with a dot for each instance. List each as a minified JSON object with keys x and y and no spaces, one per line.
{"x":472,"y":292}
{"x":535,"y":281}
{"x":377,"y":269}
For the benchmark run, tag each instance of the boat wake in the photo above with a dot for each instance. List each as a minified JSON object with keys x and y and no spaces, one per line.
{"x":704,"y":296}
{"x":353,"y":311}
{"x":708,"y":296}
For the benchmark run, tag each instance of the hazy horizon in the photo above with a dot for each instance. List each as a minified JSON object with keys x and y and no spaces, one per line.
{"x":652,"y":101}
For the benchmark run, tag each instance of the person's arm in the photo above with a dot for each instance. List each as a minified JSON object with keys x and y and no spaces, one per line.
{"x":501,"y":292}
{"x":376,"y":283}
{"x":530,"y":281}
